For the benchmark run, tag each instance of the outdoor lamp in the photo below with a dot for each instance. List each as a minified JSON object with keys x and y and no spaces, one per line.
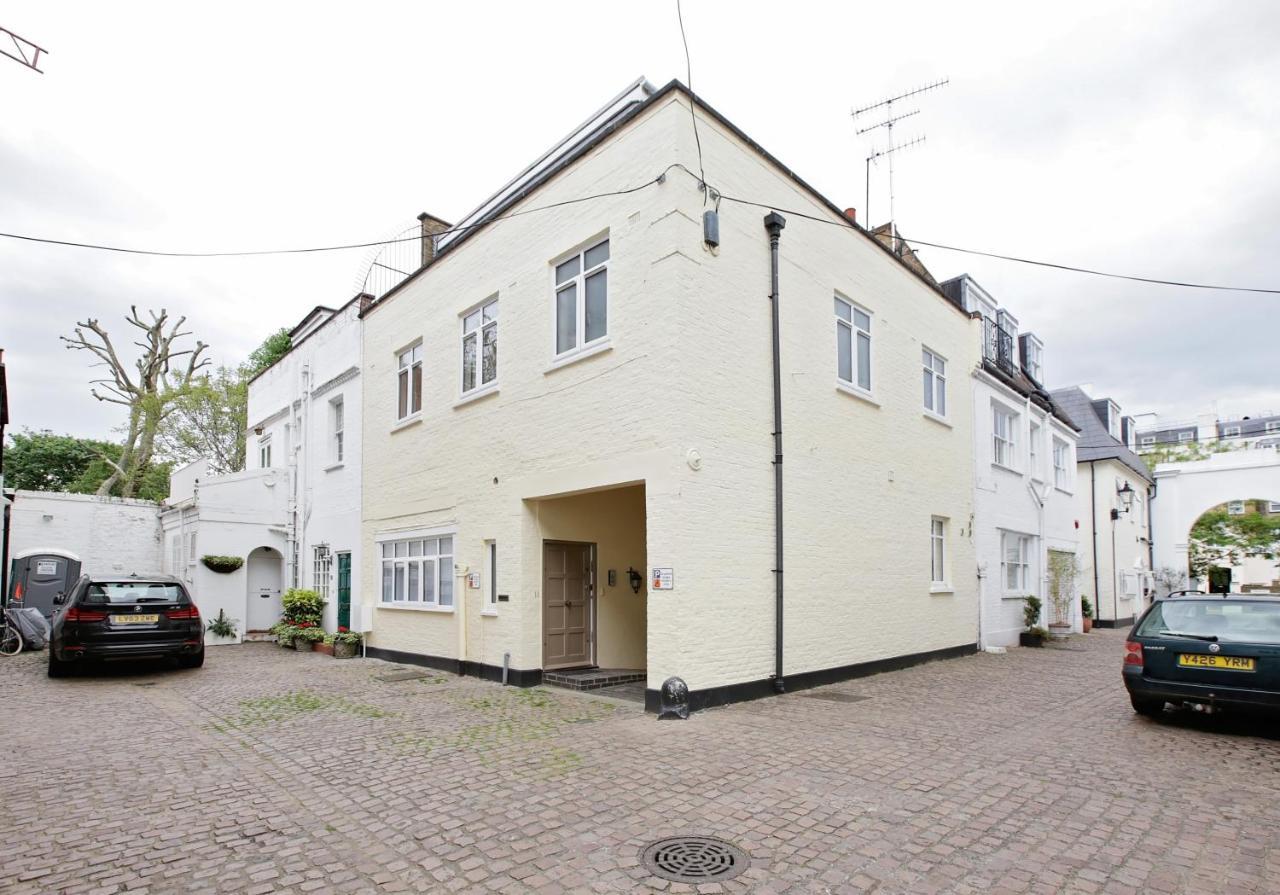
{"x":634,"y":578}
{"x":1126,"y":496}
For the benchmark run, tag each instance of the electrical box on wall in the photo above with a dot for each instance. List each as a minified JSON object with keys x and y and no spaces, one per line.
{"x":711,"y":228}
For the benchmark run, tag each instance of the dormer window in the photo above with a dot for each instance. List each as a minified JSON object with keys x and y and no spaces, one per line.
{"x":1032,"y":357}
{"x":1113,"y":420}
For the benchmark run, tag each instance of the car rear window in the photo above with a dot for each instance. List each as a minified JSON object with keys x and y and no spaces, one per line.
{"x":135,"y":592}
{"x":1253,"y":622}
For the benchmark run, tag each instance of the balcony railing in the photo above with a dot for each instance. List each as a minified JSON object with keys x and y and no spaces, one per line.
{"x":997,"y":346}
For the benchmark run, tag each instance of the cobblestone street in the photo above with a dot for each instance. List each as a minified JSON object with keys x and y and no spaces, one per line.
{"x":269,"y":771}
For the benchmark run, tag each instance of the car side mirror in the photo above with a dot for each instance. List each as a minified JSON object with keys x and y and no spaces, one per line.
{"x":59,"y":599}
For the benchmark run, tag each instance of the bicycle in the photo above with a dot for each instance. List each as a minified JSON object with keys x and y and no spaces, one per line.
{"x":11,"y":640}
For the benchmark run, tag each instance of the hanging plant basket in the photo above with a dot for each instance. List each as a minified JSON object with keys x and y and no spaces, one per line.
{"x":223,"y":565}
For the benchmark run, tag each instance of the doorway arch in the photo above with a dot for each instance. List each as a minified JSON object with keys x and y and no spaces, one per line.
{"x":264,"y":581}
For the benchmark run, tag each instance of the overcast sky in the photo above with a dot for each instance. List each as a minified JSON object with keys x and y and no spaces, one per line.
{"x":1134,"y":137}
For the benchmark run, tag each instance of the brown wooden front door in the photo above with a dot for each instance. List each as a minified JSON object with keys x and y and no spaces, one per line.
{"x":567,"y":614}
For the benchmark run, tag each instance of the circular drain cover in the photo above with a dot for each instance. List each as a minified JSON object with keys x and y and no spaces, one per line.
{"x":694,"y":859}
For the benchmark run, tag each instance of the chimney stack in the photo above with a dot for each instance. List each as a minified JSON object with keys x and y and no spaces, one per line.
{"x":431,"y":227}
{"x":363,"y":300}
{"x":852,"y":215}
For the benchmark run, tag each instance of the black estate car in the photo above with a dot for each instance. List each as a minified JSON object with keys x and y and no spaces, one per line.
{"x":125,"y":618}
{"x":1206,"y":652}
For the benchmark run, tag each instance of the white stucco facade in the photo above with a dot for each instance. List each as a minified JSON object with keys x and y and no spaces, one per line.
{"x":304,"y":422}
{"x":111,"y":535}
{"x":654,"y":444}
{"x":1116,"y":570}
{"x":1184,"y":491}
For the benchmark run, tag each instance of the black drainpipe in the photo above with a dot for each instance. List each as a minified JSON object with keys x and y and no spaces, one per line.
{"x":773,"y":223}
{"x":1093,"y":526}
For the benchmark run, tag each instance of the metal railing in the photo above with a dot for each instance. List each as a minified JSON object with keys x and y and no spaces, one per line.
{"x":997,"y":346}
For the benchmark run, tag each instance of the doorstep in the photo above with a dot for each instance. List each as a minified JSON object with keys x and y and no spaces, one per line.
{"x":591,"y":678}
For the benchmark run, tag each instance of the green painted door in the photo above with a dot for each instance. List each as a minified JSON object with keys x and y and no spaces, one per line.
{"x":344,"y":590}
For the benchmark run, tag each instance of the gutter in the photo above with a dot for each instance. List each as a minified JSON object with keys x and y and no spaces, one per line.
{"x":1093,"y":527}
{"x":773,"y":223}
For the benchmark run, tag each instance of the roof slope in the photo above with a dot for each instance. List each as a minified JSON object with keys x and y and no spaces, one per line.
{"x":1096,"y":443}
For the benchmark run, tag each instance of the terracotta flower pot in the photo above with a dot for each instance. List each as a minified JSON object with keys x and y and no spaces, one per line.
{"x":1086,"y":624}
{"x":326,"y":648}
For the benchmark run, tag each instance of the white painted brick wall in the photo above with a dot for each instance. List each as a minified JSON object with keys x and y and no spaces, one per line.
{"x":110,"y":535}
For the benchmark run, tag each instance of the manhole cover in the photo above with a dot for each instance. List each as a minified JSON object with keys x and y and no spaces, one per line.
{"x":830,"y":696}
{"x":694,"y":859}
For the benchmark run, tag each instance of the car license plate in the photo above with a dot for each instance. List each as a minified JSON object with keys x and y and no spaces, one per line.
{"x":1227,"y":663}
{"x":134,"y":619}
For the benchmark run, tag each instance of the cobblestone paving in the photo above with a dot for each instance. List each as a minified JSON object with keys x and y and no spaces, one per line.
{"x":269,"y":771}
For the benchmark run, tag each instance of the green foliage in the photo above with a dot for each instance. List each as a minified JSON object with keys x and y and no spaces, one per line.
{"x":269,"y":709}
{"x":1086,"y":607}
{"x":222,"y":564}
{"x":1031,"y":611}
{"x":343,"y":635}
{"x":1219,"y":539}
{"x":273,"y":347}
{"x":222,"y":626}
{"x":43,"y":461}
{"x":1037,"y":631}
{"x":302,"y":606}
{"x":1187,"y":451}
{"x":308,"y":633}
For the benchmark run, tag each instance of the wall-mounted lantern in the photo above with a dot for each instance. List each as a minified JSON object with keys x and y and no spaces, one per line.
{"x":1126,"y":496}
{"x":635,"y":578}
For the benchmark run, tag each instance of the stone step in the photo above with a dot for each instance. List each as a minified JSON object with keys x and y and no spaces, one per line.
{"x":592,"y":678}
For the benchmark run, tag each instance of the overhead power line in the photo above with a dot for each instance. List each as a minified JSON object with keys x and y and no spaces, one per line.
{"x":622,"y":192}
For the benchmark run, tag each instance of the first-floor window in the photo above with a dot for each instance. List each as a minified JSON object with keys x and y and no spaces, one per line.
{"x":1016,"y":562}
{"x":337,"y":425}
{"x":409,"y":382}
{"x":1033,"y":450}
{"x":491,"y":593}
{"x":1236,"y":508}
{"x":1148,"y":441}
{"x":418,"y":572}
{"x":1002,"y":435}
{"x":480,"y":347}
{"x":582,"y":298}
{"x":1061,"y":461}
{"x":323,"y":563}
{"x":191,"y":548}
{"x":1186,"y":436}
{"x":853,"y":344}
{"x":935,"y":383}
{"x":264,"y":452}
{"x":1231,"y":432}
{"x":938,"y":550}
{"x":175,"y":554}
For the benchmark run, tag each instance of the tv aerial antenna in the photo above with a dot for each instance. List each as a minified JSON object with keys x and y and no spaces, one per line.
{"x":890,"y":119}
{"x":23,"y":50}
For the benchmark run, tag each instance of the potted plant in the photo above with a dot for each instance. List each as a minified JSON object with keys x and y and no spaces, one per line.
{"x":223,"y":565}
{"x":307,"y":635}
{"x":344,"y":643}
{"x":284,"y":632}
{"x":1086,"y":615}
{"x":222,"y":628}
{"x":1034,"y":635}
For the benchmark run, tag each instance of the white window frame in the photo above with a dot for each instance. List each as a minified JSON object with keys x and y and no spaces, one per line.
{"x":175,"y":553}
{"x":1061,"y":470}
{"x":1273,"y":506}
{"x":934,"y":383}
{"x":337,"y":427}
{"x":402,"y":558}
{"x":1020,"y":566}
{"x":938,"y":553}
{"x":1003,"y":449}
{"x":860,"y":338}
{"x":1147,"y":441}
{"x":321,"y":570}
{"x":1271,"y":428}
{"x":190,"y":548}
{"x":264,"y":451}
{"x":1235,"y":508}
{"x":408,"y":359}
{"x":490,"y":578}
{"x":476,"y":323}
{"x":1035,"y":359}
{"x":1184,"y":437}
{"x":579,"y":282}
{"x":1230,"y":431}
{"x":1034,"y":435}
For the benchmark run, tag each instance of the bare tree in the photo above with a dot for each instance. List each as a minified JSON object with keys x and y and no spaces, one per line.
{"x":150,"y":393}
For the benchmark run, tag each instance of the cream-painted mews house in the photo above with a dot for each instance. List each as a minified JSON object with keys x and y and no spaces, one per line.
{"x":569,"y":451}
{"x":1025,"y":516}
{"x":1113,"y":493}
{"x":293,"y":513}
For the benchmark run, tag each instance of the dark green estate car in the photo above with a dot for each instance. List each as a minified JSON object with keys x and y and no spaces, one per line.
{"x":125,"y":618}
{"x":1207,"y":653}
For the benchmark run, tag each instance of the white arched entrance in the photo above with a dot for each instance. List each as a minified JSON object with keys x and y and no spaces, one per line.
{"x":1184,"y":491}
{"x":264,"y":581}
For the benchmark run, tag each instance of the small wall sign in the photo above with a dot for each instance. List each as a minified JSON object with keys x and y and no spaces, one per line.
{"x":46,"y":567}
{"x":664,"y":579}
{"x":473,"y":580}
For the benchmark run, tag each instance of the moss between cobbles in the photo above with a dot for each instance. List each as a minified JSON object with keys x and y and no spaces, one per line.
{"x":271,"y":709}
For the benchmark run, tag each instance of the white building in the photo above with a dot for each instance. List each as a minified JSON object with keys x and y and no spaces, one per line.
{"x":601,"y":491}
{"x":1024,"y":529}
{"x":1113,"y":504}
{"x":110,"y":535}
{"x":304,"y":423}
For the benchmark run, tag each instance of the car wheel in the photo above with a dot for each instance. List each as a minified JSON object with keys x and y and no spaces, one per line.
{"x":194,"y":661}
{"x":58,"y":668}
{"x":1149,"y":708}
